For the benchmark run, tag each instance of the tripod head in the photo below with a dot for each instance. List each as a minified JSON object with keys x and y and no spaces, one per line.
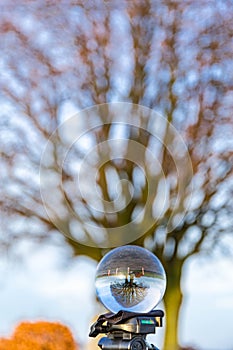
{"x":126,"y":330}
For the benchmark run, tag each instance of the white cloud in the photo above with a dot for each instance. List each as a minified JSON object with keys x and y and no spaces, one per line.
{"x":43,"y":287}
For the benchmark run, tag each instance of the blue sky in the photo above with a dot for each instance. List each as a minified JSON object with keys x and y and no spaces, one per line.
{"x":50,"y":285}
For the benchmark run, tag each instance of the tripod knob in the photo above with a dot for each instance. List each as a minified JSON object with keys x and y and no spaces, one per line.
{"x":138,"y":344}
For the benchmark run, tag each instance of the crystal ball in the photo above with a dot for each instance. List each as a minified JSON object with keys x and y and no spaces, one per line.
{"x":130,"y":278}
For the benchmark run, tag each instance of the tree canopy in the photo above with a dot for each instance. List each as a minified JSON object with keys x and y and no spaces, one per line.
{"x":164,"y":58}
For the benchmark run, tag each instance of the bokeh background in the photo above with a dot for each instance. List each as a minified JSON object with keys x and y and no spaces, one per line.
{"x":59,"y":58}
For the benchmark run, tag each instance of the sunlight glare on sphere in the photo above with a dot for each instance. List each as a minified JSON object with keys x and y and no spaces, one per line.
{"x":130,"y":278}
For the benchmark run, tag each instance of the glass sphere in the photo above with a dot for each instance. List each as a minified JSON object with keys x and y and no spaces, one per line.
{"x":130,"y":278}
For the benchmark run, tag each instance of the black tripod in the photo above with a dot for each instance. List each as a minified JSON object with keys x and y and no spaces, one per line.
{"x":127,"y":330}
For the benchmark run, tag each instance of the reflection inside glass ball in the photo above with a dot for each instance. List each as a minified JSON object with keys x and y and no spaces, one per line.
{"x":129,"y":292}
{"x":130,"y":278}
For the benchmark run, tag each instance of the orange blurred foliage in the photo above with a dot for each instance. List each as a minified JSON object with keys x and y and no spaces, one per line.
{"x":39,"y":336}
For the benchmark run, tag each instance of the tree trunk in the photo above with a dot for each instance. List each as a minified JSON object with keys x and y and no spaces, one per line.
{"x":172,"y":300}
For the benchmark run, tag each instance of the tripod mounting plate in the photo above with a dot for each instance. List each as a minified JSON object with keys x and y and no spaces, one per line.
{"x":123,"y":322}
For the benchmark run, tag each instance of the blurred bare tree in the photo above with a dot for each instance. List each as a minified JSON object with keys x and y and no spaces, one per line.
{"x":59,"y":57}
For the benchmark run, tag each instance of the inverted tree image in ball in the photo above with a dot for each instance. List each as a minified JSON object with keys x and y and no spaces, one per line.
{"x":130,"y":278}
